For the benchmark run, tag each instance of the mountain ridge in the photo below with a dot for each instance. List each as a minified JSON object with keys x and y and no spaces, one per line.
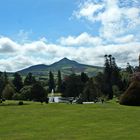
{"x":65,"y":65}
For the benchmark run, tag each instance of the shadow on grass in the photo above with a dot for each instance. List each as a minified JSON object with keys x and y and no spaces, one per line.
{"x":13,"y":104}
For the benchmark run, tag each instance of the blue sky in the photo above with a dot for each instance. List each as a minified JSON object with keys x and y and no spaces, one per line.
{"x":44,"y":31}
{"x":42,"y":18}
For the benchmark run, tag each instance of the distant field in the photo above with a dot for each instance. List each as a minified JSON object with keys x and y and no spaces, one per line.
{"x":34,"y":121}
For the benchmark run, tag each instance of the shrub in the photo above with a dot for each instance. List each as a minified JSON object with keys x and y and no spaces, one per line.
{"x":8,"y":92}
{"x":20,"y":103}
{"x":132,"y":95}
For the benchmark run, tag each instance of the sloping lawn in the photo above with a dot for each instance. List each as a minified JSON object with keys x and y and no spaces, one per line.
{"x":109,"y":121}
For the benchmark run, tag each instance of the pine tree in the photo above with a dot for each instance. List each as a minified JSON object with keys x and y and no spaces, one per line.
{"x":84,"y":77}
{"x":107,"y":76}
{"x":129,"y":68}
{"x":29,"y":80}
{"x":51,"y":82}
{"x":17,"y":82}
{"x":115,"y":75}
{"x":59,"y":82}
{"x":3,"y":82}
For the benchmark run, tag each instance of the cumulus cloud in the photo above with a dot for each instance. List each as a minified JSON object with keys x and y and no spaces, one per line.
{"x":8,"y":46}
{"x":81,"y":40}
{"x":38,"y":52}
{"x":117,"y":17}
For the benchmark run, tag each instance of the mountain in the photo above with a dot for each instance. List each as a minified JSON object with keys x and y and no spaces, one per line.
{"x":66,"y":67}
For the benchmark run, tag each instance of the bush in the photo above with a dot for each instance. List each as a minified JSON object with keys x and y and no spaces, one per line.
{"x":8,"y":92}
{"x":25,"y":93}
{"x":131,"y":95}
{"x":20,"y":103}
{"x":17,"y":96}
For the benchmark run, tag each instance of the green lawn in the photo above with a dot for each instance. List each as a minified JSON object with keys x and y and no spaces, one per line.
{"x":109,"y":121}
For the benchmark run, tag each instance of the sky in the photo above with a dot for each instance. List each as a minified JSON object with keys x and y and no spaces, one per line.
{"x":44,"y":31}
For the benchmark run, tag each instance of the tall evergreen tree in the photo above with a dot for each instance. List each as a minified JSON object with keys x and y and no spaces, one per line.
{"x":129,"y":68}
{"x":112,"y":76}
{"x":17,"y":82}
{"x":5,"y":77}
{"x":3,"y":82}
{"x":115,"y":75}
{"x":84,"y":77}
{"x":59,"y":82}
{"x":29,"y":80}
{"x":51,"y":82}
{"x":107,"y":77}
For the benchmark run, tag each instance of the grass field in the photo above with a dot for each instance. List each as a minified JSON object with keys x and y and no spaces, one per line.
{"x":109,"y":121}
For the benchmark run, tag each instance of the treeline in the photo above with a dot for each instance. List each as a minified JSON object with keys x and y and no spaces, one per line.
{"x":111,"y":82}
{"x":102,"y":86}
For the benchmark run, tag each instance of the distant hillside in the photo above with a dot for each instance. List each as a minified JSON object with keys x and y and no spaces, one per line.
{"x":65,"y":65}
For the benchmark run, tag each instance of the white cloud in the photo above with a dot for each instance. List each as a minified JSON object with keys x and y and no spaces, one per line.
{"x":38,"y":52}
{"x":81,"y":40}
{"x":8,"y":46}
{"x":125,"y":39}
{"x":88,"y":10}
{"x":117,"y":17}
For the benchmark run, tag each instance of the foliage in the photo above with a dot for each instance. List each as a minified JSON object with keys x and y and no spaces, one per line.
{"x":51,"y":82}
{"x":72,"y":86}
{"x":17,"y":82}
{"x":84,"y":77}
{"x":91,"y":92}
{"x":132,"y":95}
{"x":25,"y":93}
{"x":59,"y":82}
{"x":3,"y":82}
{"x":29,"y":80}
{"x":129,"y":68}
{"x":8,"y":92}
{"x":38,"y":93}
{"x":111,"y":76}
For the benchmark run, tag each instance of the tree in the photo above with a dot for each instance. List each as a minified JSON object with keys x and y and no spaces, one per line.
{"x":8,"y":92}
{"x":116,"y":78}
{"x":17,"y":82}
{"x":100,"y":82}
{"x":129,"y":68}
{"x":3,"y":82}
{"x":59,"y":82}
{"x":107,"y":77}
{"x":51,"y":82}
{"x":72,"y":86}
{"x":84,"y":77}
{"x":112,"y":76}
{"x":132,"y":95}
{"x":91,"y":91}
{"x":25,"y":93}
{"x":29,"y":80}
{"x":38,"y":93}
